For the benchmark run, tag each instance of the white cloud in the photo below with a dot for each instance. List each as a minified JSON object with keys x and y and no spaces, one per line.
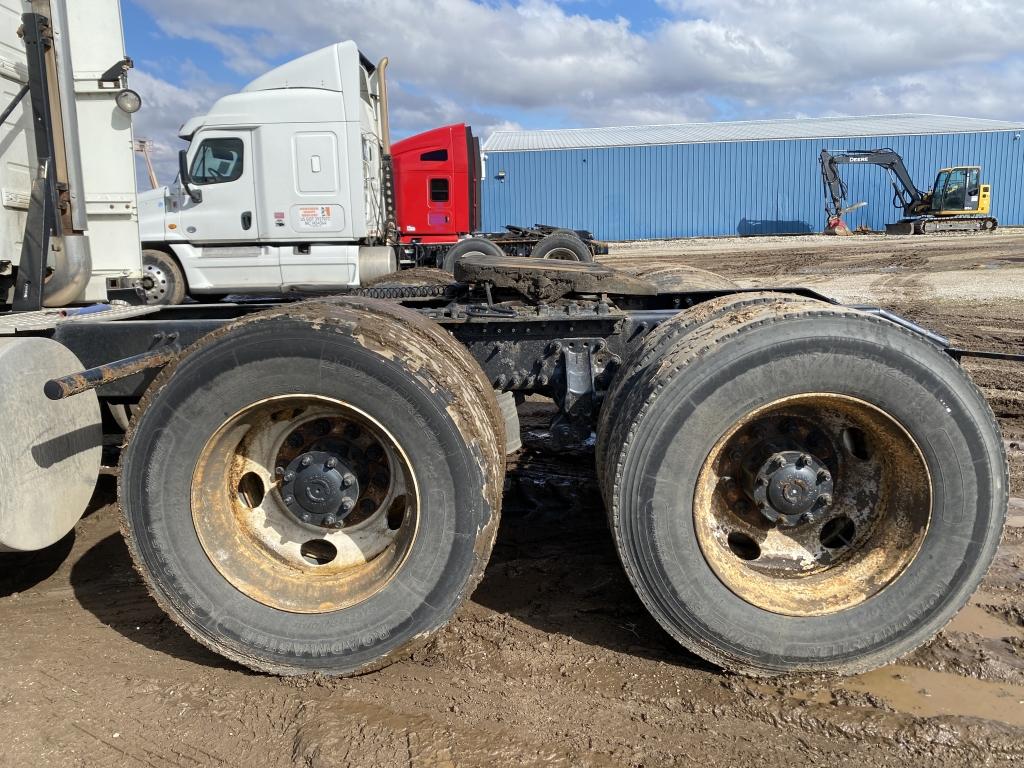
{"x":536,"y":60}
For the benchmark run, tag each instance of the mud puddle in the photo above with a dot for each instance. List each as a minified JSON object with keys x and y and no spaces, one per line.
{"x":928,"y":693}
{"x":975,"y":620}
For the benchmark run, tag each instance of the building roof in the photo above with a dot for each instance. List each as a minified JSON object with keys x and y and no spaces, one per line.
{"x":746,"y":130}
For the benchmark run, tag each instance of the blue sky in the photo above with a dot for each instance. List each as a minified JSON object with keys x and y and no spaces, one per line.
{"x":564,"y":63}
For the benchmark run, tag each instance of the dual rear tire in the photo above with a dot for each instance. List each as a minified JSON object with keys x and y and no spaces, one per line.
{"x":794,"y":486}
{"x":330,"y":499}
{"x":790,"y":485}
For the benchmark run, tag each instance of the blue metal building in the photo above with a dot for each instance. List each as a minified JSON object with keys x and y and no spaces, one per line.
{"x":740,"y":178}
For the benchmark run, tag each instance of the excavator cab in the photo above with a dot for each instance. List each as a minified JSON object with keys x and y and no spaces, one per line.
{"x":959,"y":191}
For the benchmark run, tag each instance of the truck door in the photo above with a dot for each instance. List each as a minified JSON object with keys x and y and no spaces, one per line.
{"x":223,"y":224}
{"x":439,"y":202}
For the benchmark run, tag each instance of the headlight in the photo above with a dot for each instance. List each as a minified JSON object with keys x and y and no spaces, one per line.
{"x":129,"y":101}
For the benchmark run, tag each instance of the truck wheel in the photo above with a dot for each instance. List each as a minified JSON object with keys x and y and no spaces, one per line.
{"x":162,"y":279}
{"x":681,"y":278}
{"x":562,"y":246}
{"x":805,"y":490}
{"x":478,"y":245}
{"x":50,"y":451}
{"x":316,"y":488}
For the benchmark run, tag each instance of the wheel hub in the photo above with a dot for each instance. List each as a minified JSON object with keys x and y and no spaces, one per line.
{"x":793,"y":487}
{"x":319,"y":488}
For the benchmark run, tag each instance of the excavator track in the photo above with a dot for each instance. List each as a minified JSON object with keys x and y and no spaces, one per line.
{"x":932,"y":225}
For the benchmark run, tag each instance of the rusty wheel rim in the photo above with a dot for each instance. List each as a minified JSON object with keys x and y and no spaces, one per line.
{"x":305,"y":503}
{"x":812,"y":504}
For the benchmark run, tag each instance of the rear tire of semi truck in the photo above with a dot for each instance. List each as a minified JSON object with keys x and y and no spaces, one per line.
{"x":475,"y":245}
{"x":802,"y":488}
{"x":317,"y":488}
{"x":560,"y":245}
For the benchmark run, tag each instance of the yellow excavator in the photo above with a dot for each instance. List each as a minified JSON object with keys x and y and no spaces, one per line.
{"x":957,"y":202}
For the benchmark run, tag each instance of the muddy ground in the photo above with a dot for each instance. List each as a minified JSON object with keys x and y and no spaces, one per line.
{"x":553,"y":661}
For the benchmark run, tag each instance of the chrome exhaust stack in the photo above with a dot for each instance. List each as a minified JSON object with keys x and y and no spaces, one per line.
{"x":69,"y":255}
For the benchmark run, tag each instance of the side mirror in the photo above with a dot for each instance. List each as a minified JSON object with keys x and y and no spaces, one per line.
{"x":196,"y":195}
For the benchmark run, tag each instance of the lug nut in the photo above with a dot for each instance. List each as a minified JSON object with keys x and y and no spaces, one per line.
{"x":279,"y":471}
{"x":824,"y":476}
{"x":330,"y":520}
{"x":332,"y":463}
{"x":347,"y":505}
{"x":348,"y":480}
{"x":307,"y":460}
{"x":778,"y":462}
{"x":305,"y":517}
{"x":289,"y":500}
{"x":804,"y":460}
{"x":825,"y":499}
{"x":289,"y":476}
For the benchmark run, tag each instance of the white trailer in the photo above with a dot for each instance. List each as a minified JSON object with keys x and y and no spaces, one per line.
{"x":97,"y":250}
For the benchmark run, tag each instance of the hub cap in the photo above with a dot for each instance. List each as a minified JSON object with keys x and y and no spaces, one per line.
{"x":793,"y":487}
{"x":154,"y":283}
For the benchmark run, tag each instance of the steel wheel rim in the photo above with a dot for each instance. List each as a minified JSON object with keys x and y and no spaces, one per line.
{"x":158,"y":283}
{"x":562,"y":254}
{"x":277,"y":551}
{"x":840,"y":553}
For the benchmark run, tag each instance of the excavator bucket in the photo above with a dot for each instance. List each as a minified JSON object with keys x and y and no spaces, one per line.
{"x":836,"y":226}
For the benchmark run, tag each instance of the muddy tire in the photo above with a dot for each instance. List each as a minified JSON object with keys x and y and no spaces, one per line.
{"x":163,"y":280}
{"x":804,"y":489}
{"x":316,"y":488}
{"x":567,"y":247}
{"x":679,"y":278}
{"x":477,"y":245}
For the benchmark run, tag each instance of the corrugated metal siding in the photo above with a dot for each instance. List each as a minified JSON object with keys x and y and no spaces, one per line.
{"x":748,"y":187}
{"x":744,"y":130}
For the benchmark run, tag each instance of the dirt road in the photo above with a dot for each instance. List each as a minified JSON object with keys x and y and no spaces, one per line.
{"x":554,"y":661}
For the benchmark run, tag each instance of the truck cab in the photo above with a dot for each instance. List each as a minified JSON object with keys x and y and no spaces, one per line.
{"x":959,"y":191}
{"x":437,"y":175}
{"x":280,"y":186}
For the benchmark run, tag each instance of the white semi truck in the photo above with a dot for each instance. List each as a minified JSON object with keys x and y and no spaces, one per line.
{"x":315,"y":486}
{"x":292,"y":186}
{"x":280,"y":187}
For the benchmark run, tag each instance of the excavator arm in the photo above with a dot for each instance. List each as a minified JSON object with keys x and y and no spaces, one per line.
{"x":906,"y":194}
